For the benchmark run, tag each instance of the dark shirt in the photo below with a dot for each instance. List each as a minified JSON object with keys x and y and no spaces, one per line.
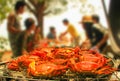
{"x":94,"y":34}
{"x":13,"y":22}
{"x":88,"y":29}
{"x":97,"y":37}
{"x":24,"y":42}
{"x":51,"y":36}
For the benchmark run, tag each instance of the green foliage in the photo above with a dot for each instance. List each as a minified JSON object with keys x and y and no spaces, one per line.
{"x":54,"y":7}
{"x":3,"y":43}
{"x":63,"y":2}
{"x":5,"y":7}
{"x":41,"y":1}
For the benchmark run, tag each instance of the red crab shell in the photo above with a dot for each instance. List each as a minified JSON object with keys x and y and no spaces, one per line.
{"x":86,"y":66}
{"x":59,"y":61}
{"x":13,"y":65}
{"x":46,"y":69}
{"x":25,"y":60}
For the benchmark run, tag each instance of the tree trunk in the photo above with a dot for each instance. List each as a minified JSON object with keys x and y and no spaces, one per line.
{"x":38,"y":12}
{"x":39,"y":15}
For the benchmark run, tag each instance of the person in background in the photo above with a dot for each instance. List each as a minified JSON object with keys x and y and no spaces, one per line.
{"x":95,"y":33}
{"x":101,"y":34}
{"x":25,"y":38}
{"x":52,"y":33}
{"x":87,"y":26}
{"x":72,"y":31}
{"x":37,"y":36}
{"x":13,"y":24}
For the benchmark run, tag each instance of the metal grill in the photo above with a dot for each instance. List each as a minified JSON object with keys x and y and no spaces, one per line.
{"x":6,"y":74}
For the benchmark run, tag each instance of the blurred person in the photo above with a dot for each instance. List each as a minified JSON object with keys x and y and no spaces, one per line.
{"x":72,"y":31}
{"x":87,"y":26}
{"x":85,"y":45}
{"x":25,"y":38}
{"x":37,"y":37}
{"x":95,"y":33}
{"x":13,"y":24}
{"x":52,"y":33}
{"x":51,"y":37}
{"x":101,"y":34}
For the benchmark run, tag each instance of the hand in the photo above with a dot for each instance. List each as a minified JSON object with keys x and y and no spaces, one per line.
{"x":24,"y":52}
{"x":60,"y":37}
{"x":95,"y":48}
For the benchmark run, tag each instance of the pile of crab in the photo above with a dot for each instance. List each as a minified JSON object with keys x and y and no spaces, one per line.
{"x":52,"y":62}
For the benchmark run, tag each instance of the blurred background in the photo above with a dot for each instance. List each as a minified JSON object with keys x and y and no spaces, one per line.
{"x":52,"y":14}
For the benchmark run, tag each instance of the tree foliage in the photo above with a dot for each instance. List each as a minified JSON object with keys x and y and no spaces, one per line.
{"x":45,"y":7}
{"x":5,"y":7}
{"x":38,"y":7}
{"x":3,"y":43}
{"x":50,"y":6}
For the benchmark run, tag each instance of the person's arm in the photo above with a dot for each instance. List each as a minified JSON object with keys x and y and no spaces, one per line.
{"x":62,"y":34}
{"x":55,"y":36}
{"x":24,"y":45}
{"x":104,"y":39}
{"x":86,"y":44}
{"x":11,"y":28}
